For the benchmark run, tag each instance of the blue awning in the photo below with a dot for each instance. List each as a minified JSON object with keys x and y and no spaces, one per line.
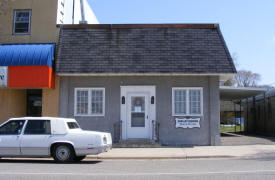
{"x":27,"y":55}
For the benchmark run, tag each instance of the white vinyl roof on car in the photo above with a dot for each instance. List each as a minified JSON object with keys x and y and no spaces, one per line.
{"x":43,"y":118}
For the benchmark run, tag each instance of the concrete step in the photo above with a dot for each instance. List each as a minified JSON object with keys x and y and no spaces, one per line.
{"x":137,"y":143}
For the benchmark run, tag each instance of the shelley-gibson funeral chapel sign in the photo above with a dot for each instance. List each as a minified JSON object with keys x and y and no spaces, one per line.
{"x":188,"y":123}
{"x":3,"y":76}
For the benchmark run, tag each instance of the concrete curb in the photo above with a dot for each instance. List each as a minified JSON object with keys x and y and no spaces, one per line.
{"x":204,"y":157}
{"x":161,"y":157}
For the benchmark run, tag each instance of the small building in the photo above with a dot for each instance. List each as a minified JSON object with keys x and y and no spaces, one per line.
{"x":144,"y":81}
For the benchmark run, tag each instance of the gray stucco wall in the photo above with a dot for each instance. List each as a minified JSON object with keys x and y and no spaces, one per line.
{"x":208,"y":134}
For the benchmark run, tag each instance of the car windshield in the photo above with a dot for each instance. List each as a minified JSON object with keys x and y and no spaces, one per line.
{"x":73,"y":125}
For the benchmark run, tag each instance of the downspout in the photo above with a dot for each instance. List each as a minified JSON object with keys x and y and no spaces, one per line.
{"x":247,"y":116}
{"x":73,"y":13}
{"x":83,"y":21}
{"x":264,"y":113}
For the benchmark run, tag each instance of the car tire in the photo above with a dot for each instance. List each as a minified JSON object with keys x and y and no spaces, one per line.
{"x":63,"y":153}
{"x":79,"y":158}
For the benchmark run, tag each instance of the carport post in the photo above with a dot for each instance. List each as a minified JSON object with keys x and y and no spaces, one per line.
{"x":264,"y":113}
{"x":254,"y":114}
{"x":247,"y":114}
{"x":235,"y":115}
{"x":240,"y":115}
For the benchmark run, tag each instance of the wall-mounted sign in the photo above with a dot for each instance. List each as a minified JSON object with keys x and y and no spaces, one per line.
{"x":188,"y":123}
{"x":3,"y":76}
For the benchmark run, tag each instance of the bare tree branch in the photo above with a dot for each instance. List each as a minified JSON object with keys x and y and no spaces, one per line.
{"x":247,"y":79}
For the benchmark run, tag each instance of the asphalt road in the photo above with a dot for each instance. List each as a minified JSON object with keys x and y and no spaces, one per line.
{"x":193,"y":169}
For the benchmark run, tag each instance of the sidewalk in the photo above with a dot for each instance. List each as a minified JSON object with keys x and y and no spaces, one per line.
{"x":187,"y":152}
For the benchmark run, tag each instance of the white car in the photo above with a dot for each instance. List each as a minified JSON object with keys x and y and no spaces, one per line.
{"x":60,"y":138}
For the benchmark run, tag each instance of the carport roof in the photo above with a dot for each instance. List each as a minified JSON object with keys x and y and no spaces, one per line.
{"x":238,"y":93}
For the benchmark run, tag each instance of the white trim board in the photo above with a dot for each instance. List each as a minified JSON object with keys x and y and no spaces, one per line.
{"x":223,"y":77}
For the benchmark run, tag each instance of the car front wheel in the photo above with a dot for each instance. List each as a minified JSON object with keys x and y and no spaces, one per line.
{"x":63,"y":153}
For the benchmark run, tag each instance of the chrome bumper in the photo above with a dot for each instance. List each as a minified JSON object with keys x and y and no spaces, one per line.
{"x":93,"y":151}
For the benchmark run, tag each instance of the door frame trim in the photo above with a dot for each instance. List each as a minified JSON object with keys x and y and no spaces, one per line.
{"x":124,"y":90}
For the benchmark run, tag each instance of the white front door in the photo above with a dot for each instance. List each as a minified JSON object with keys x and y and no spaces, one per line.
{"x":137,"y":116}
{"x":138,"y":111}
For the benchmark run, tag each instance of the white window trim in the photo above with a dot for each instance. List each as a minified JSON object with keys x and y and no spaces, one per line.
{"x":89,"y":102}
{"x":187,"y":101}
{"x":14,"y":21}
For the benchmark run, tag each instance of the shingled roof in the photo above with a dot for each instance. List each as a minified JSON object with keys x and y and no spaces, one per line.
{"x":142,"y":49}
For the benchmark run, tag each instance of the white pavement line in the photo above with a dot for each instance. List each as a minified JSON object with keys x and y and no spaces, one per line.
{"x":143,"y":174}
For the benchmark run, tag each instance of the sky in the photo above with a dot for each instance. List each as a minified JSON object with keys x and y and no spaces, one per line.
{"x":248,"y":26}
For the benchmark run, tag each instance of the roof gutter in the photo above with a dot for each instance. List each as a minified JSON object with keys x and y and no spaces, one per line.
{"x":223,"y":77}
{"x":139,"y":26}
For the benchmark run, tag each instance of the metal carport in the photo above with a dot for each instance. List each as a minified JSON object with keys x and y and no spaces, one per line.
{"x":236,"y":95}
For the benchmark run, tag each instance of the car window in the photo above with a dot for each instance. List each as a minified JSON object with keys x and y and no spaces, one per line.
{"x":73,"y":125}
{"x":12,"y":127}
{"x":38,"y":127}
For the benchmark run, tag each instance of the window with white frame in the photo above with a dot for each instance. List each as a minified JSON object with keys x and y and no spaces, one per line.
{"x":22,"y":21}
{"x":89,"y":102}
{"x":187,"y":101}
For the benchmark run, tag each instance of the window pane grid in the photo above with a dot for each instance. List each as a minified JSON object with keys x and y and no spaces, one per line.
{"x":22,"y":21}
{"x":22,"y":16}
{"x":195,"y":101}
{"x":180,"y":101}
{"x":97,"y":101}
{"x":187,"y":101}
{"x":82,"y":102}
{"x":89,"y":102}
